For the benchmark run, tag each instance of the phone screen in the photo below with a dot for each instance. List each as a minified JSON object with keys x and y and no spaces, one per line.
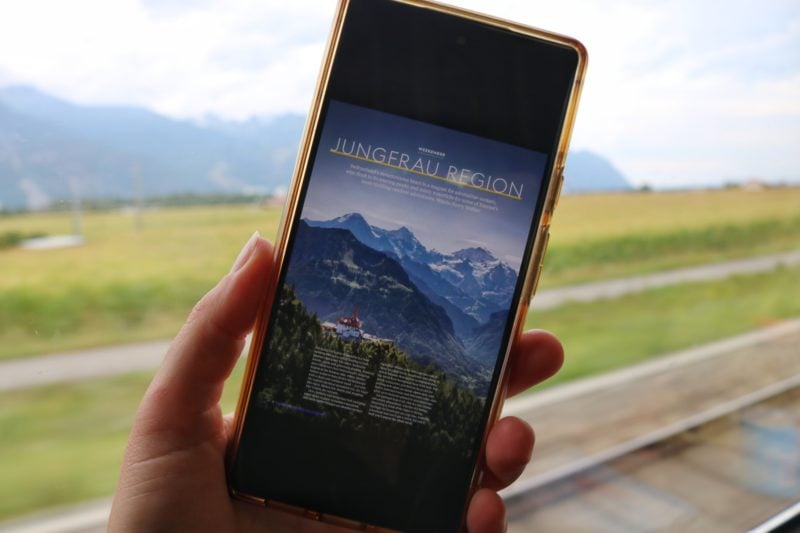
{"x":395,"y":304}
{"x":392,"y":314}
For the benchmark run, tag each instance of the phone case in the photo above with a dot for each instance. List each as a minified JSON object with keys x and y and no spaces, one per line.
{"x":532,"y":271}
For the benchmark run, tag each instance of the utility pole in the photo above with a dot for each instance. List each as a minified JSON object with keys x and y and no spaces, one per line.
{"x":77,"y":226}
{"x":138,"y":224}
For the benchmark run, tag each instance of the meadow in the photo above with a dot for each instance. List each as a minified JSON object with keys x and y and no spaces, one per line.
{"x":613,"y":235}
{"x":130,"y":283}
{"x":125,"y":284}
{"x":63,"y":444}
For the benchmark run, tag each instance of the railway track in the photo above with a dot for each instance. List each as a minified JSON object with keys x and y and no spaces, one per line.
{"x":729,"y":468}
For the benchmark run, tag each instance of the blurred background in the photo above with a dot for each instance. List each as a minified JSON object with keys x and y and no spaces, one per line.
{"x":142,"y":142}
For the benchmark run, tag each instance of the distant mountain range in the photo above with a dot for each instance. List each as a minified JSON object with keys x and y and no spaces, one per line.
{"x":588,"y":172}
{"x":470,"y":284}
{"x":51,"y":150}
{"x":332,"y":273}
{"x":449,"y":309}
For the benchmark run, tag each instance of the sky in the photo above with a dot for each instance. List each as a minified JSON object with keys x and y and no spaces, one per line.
{"x":502,"y":228}
{"x":678,"y":93}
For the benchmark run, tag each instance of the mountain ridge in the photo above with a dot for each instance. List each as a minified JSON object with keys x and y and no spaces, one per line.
{"x":120,"y":151}
{"x":126,"y":147}
{"x":333,"y":273}
{"x":471,"y":279}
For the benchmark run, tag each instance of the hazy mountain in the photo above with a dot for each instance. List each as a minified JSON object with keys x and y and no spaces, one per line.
{"x":401,"y":243}
{"x":40,"y":163}
{"x":589,"y":172}
{"x":50,"y":149}
{"x":479,"y":274}
{"x":109,"y":151}
{"x":484,"y":342}
{"x":332,"y":272}
{"x":441,"y":292}
{"x":403,"y":246}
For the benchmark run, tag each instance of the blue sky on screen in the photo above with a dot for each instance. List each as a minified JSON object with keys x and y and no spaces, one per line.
{"x":502,"y":230}
{"x":678,"y":93}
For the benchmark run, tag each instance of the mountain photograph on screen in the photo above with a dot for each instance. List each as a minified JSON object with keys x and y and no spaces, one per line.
{"x":400,"y":277}
{"x":445,"y":309}
{"x":413,"y":234}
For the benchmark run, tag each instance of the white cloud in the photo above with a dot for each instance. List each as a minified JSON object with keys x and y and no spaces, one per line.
{"x":234,"y":60}
{"x":677,"y":92}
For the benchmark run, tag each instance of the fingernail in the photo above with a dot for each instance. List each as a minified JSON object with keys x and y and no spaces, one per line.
{"x":246,"y":252}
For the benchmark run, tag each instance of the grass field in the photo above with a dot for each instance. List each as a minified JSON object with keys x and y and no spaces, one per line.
{"x":612,"y":235}
{"x":642,"y":253}
{"x":591,"y":217}
{"x":126,"y":285}
{"x":63,"y":444}
{"x":123,"y":285}
{"x":604,"y":335}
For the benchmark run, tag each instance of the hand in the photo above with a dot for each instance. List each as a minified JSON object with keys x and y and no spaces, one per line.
{"x":173,"y":473}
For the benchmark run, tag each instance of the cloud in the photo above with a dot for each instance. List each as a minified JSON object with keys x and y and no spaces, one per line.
{"x":183,"y":59}
{"x":686,"y":92}
{"x":172,"y":8}
{"x":5,"y":77}
{"x":682,"y":90}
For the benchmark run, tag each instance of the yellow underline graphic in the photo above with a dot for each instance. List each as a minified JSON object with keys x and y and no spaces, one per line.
{"x":434,"y":176}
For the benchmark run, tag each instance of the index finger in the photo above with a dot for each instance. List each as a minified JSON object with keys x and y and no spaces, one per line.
{"x":535,"y":356}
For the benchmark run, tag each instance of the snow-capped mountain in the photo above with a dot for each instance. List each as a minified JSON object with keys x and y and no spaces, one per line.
{"x":473,"y":281}
{"x":400,"y":242}
{"x":333,"y":272}
{"x":479,"y":274}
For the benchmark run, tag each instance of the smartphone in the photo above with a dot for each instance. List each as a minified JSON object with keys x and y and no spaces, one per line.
{"x":410,"y":246}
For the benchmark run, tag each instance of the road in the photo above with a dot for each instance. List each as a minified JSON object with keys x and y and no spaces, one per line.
{"x":587,"y":292}
{"x":109,"y":361}
{"x":79,"y":365}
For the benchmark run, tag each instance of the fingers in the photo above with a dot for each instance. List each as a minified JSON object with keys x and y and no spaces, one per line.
{"x":508,"y":450}
{"x":206,"y":349}
{"x":228,"y":426}
{"x":535,"y":356}
{"x":486,"y":513}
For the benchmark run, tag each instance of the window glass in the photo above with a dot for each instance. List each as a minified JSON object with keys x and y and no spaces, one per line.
{"x":142,"y":143}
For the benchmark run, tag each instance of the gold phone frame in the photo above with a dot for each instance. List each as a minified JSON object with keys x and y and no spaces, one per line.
{"x":532,"y":271}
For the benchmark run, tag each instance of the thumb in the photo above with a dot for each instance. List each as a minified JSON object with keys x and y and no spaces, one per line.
{"x":189,"y":381}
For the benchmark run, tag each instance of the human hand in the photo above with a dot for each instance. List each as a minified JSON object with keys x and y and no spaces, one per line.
{"x":173,"y":472}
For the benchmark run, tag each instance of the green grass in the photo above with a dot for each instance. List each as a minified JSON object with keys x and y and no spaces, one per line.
{"x":86,"y":314}
{"x":129,"y":285}
{"x":598,"y":236}
{"x":124,"y":285}
{"x":63,"y":444}
{"x":641,"y":253}
{"x":605,"y":335}
{"x":10,"y":239}
{"x":590,"y":217}
{"x":198,"y":242}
